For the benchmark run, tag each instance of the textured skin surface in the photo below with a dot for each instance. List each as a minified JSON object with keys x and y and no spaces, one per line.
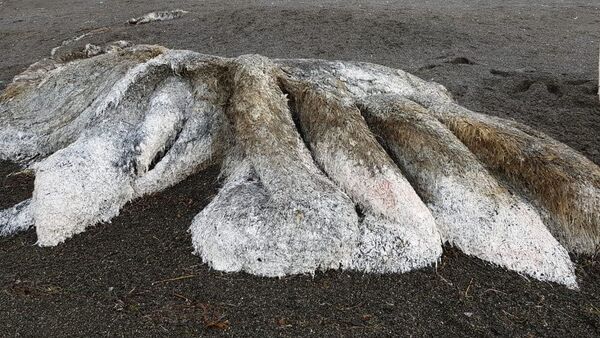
{"x":276,"y":214}
{"x":398,"y":231}
{"x":462,"y":194}
{"x":305,"y":188}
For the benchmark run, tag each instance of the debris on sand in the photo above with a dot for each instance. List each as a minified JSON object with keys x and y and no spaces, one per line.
{"x":74,"y":39}
{"x":157,"y":16}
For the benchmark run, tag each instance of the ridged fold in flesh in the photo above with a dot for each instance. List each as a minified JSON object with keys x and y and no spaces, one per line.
{"x":398,"y":232}
{"x":276,"y":213}
{"x":472,"y":210}
{"x":563,"y":183}
{"x":323,"y":164}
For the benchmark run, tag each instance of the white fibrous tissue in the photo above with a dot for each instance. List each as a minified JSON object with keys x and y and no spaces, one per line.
{"x":324,"y":165}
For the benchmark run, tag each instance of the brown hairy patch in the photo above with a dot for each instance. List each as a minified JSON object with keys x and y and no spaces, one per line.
{"x":142,"y":55}
{"x":410,"y":125}
{"x":72,"y":56}
{"x":12,"y":90}
{"x":323,"y":114}
{"x":409,"y":128}
{"x":258,"y":111}
{"x":552,"y":173}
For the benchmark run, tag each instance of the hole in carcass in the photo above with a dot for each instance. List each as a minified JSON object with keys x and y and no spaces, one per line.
{"x":169,"y":144}
{"x":156,"y":159}
{"x":296,"y":117}
{"x":360,"y":212}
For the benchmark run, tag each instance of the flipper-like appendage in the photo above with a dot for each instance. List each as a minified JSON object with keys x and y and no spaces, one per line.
{"x":90,"y":180}
{"x":50,"y":107}
{"x":562,"y":182}
{"x":398,"y":231}
{"x":114,"y":136}
{"x":276,"y":214}
{"x":472,"y":211}
{"x":80,"y":186}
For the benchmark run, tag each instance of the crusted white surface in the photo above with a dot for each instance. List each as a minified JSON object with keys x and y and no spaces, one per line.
{"x":472,"y":210}
{"x":112,"y":141}
{"x":198,"y":142}
{"x":276,"y":214}
{"x":62,"y":204}
{"x":90,"y":180}
{"x":498,"y":228}
{"x":398,"y":232}
{"x":263,"y":229}
{"x":166,"y":115}
{"x":136,"y":124}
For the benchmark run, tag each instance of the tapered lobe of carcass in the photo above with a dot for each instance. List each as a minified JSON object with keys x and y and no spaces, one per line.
{"x":473,"y":211}
{"x":564,"y":182}
{"x":276,"y":213}
{"x":399,"y":232}
{"x":36,"y":72}
{"x":261,"y":99}
{"x":561,"y":181}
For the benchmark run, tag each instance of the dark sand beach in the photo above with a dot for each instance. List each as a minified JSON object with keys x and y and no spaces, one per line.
{"x":532,"y":61}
